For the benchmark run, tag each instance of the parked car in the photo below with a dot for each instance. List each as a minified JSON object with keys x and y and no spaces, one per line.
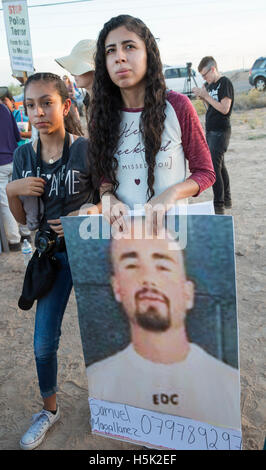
{"x":182,"y":78}
{"x":257,"y":74}
{"x":79,"y":97}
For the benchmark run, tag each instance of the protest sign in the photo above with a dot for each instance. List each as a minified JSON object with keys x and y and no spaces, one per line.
{"x":18,"y":35}
{"x":159,"y":331}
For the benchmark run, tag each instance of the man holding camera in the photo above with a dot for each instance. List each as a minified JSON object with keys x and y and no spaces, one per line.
{"x":218,"y":93}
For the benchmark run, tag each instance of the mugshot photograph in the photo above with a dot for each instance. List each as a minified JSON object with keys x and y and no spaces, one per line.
{"x":165,"y":334}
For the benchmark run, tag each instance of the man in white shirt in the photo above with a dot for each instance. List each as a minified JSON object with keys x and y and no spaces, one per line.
{"x":161,"y":370}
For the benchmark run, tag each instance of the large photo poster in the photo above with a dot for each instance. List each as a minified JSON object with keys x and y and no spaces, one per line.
{"x":158,"y":325}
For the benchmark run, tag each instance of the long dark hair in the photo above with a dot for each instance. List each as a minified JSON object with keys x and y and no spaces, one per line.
{"x":72,"y":125}
{"x":104,"y":124}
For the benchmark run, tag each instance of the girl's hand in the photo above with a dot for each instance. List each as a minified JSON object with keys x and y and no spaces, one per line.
{"x":95,"y":209}
{"x":56,"y":226}
{"x":114,"y":211}
{"x":157,"y":207}
{"x":30,"y":186}
{"x":87,"y":209}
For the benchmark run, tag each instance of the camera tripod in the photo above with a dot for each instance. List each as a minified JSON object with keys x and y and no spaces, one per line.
{"x":187,"y":85}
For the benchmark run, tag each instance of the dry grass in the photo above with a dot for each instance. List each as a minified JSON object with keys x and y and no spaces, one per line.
{"x":199,"y":106}
{"x":251,"y":119}
{"x":256,"y":137}
{"x":250,"y":100}
{"x":243,"y":101}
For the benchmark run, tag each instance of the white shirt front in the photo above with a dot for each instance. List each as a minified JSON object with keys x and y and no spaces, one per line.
{"x":132,"y":172}
{"x":200,"y":387}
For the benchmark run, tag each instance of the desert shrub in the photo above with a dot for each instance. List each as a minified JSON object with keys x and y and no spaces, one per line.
{"x":257,"y":137}
{"x":250,"y":100}
{"x":243,"y":101}
{"x":199,"y":106}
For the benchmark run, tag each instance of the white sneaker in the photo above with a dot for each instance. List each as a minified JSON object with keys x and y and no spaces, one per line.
{"x":41,"y":422}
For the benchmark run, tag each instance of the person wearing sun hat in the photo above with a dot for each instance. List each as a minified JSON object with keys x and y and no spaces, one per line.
{"x":80,"y":63}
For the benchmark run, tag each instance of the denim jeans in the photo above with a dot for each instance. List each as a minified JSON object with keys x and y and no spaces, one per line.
{"x":49,"y":315}
{"x":218,"y":142}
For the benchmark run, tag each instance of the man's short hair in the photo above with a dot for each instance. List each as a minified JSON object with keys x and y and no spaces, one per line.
{"x":207,"y":61}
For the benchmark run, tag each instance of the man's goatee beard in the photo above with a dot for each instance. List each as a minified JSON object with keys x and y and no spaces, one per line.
{"x":152,"y":321}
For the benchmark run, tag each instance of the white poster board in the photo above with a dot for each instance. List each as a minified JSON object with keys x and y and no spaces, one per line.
{"x":159,"y":330}
{"x":158,"y":430}
{"x":18,"y":35}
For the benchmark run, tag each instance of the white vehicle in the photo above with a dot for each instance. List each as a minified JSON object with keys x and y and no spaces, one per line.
{"x":182,"y":78}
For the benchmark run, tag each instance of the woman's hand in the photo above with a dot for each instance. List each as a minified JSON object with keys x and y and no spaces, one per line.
{"x":114,"y":211}
{"x":30,"y":186}
{"x":157,"y":207}
{"x":87,"y":209}
{"x":56,"y":226}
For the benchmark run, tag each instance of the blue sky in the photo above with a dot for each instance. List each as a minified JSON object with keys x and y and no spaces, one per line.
{"x":231,"y":30}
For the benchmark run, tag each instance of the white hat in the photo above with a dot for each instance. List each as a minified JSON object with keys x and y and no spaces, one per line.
{"x":81,"y":58}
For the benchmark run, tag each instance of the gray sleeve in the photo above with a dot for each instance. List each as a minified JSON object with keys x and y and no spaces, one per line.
{"x":30,"y":203}
{"x":30,"y":206}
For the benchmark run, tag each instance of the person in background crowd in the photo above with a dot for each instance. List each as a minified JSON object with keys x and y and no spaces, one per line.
{"x":71,"y":94}
{"x":9,"y":138}
{"x":19,"y":115}
{"x":80,"y":63}
{"x":219,"y":96}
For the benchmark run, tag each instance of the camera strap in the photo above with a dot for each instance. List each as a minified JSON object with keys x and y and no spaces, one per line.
{"x":64,"y":160}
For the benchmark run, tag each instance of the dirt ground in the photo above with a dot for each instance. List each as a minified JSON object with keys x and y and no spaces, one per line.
{"x":19,"y":395}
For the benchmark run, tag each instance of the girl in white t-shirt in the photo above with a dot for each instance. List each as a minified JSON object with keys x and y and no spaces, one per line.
{"x":140,"y":134}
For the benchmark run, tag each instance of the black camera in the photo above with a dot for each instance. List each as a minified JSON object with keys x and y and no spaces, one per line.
{"x":46,"y":241}
{"x":189,"y":71}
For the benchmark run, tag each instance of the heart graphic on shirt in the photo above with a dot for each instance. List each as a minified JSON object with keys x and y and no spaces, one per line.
{"x":48,"y":176}
{"x":137,"y":181}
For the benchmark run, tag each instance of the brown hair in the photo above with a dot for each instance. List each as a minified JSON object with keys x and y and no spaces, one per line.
{"x":104,"y":125}
{"x":207,"y":61}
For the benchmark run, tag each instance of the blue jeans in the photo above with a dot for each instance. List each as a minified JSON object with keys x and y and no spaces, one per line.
{"x":218,"y":142}
{"x":49,"y":315}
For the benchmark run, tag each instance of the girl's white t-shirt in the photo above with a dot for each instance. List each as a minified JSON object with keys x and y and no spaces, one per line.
{"x":132,"y":172}
{"x":183,"y":141}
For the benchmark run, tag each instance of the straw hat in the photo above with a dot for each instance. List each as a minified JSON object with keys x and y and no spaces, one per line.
{"x":81,"y":58}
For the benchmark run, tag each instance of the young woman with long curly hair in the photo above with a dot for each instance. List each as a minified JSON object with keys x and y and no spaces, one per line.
{"x":141,"y":134}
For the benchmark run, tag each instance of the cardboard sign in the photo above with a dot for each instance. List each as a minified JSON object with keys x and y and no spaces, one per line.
{"x":18,"y":35}
{"x":159,"y":430}
{"x":159,"y":329}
